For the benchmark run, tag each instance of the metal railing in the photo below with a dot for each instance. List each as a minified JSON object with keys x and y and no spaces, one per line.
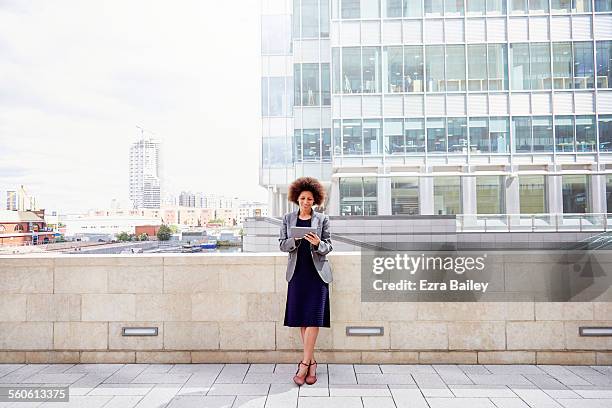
{"x":585,"y":222}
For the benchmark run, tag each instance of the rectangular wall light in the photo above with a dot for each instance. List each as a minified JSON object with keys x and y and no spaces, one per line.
{"x":595,"y":331}
{"x":364,"y":331}
{"x":139,"y":331}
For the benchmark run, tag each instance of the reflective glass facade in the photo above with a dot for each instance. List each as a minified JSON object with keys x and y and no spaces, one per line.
{"x":475,"y":107}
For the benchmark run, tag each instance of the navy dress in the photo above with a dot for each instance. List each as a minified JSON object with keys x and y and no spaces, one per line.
{"x":307,"y":294}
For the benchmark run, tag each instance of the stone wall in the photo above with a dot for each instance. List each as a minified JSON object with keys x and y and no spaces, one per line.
{"x":230,"y":307}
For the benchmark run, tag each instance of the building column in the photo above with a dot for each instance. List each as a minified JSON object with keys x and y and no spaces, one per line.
{"x":598,"y":193}
{"x":426,"y":195}
{"x":512,"y":195}
{"x":333,"y":205}
{"x":383,"y":195}
{"x":468,"y":194}
{"x":554,"y":194}
{"x":273,"y":203}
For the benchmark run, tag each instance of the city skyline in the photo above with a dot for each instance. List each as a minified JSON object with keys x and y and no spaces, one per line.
{"x":69,"y":114}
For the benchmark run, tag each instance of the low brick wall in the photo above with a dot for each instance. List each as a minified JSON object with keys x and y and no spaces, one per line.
{"x":230,"y":307}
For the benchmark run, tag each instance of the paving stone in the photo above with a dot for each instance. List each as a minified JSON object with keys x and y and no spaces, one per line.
{"x":358,"y":390}
{"x":239,"y":389}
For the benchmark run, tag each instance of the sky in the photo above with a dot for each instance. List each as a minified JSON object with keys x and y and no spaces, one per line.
{"x":77,"y":77}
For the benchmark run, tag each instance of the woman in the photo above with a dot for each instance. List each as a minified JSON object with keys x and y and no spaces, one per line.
{"x":308,"y":271}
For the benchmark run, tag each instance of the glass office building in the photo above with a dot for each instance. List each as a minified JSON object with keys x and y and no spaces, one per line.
{"x":444,"y":107}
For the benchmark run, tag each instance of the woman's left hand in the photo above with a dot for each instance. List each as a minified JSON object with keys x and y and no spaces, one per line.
{"x":313,"y":238}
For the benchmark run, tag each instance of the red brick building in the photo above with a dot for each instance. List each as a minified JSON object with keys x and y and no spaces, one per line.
{"x":24,"y":228}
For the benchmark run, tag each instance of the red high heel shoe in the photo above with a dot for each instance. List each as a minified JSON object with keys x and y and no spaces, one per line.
{"x":300,"y":380}
{"x":311,"y":379}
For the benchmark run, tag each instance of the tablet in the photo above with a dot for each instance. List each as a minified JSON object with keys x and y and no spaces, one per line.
{"x":299,"y":232}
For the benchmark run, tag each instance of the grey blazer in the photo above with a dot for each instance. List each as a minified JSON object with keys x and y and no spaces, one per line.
{"x":319,"y":221}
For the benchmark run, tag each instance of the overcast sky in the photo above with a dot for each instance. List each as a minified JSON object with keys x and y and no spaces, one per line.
{"x":76,"y":77}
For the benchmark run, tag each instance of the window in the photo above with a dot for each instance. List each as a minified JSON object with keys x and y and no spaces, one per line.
{"x":435,"y":68}
{"x":326,"y":144}
{"x":324,"y":18}
{"x":297,"y":85}
{"x":453,"y":7}
{"x":564,"y":133}
{"x":310,"y":18}
{"x":297,"y":145}
{"x":605,"y":133}
{"x":457,"y":135}
{"x":325,"y":85}
{"x":477,"y":67}
{"x":351,"y":196}
{"x":532,"y":194}
{"x":542,"y":134}
{"x":394,"y":64}
{"x":568,"y":6}
{"x":538,"y":6}
{"x":575,"y":192}
{"x":436,"y":138}
{"x":519,"y":6}
{"x":562,"y":65}
{"x":434,"y":8}
{"x":498,"y":67}
{"x":351,"y":69}
{"x":412,"y":8}
{"x":521,"y":127}
{"x":447,"y":195}
{"x":275,"y":100}
{"x":310,"y":85}
{"x":455,"y":68}
{"x":352,"y":137}
{"x":413,"y":68}
{"x":358,"y":196}
{"x":540,"y":66}
{"x":371,"y":70}
{"x":312,"y":144}
{"x":337,"y":138}
{"x":519,"y":63}
{"x":394,"y":136}
{"x":393,"y":8}
{"x":603,"y":5}
{"x":489,"y":195}
{"x":604,"y":70}
{"x":350,"y":9}
{"x":496,"y":7}
{"x":337,"y":70}
{"x":499,"y":134}
{"x":276,"y":35}
{"x":476,"y":7}
{"x":276,"y":151}
{"x":479,"y":135}
{"x":585,"y":133}
{"x":573,"y":65}
{"x":370,"y":8}
{"x":369,"y":196}
{"x":404,"y":196}
{"x":371,"y":136}
{"x":414,"y":129}
{"x":583,"y":65}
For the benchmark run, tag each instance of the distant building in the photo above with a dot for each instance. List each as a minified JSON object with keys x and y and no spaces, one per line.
{"x":145,"y":174}
{"x":24,"y":228}
{"x":252,"y":210}
{"x":108,"y":225}
{"x":11,"y":200}
{"x":187,"y":199}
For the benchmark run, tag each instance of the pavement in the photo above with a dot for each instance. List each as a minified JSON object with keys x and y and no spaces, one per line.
{"x":338,"y":385}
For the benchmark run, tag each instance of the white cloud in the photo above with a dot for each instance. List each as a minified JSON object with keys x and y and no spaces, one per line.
{"x":77,"y":77}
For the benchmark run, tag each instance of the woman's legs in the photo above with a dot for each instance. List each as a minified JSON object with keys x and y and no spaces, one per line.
{"x":309,"y":340}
